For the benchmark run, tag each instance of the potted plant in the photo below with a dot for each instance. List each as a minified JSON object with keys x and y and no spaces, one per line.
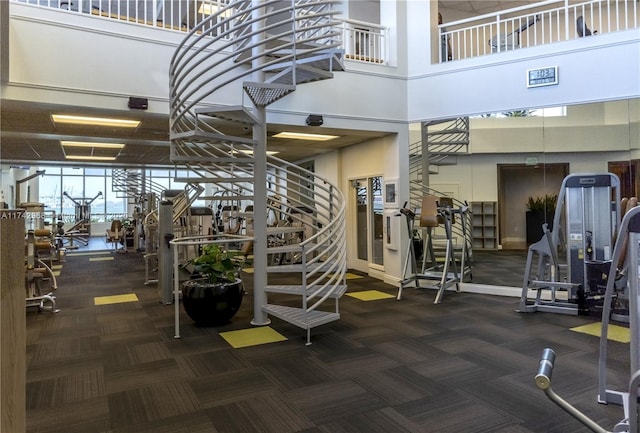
{"x":540,"y":209}
{"x":214,"y":293}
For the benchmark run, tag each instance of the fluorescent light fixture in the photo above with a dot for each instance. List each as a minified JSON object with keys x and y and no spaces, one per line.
{"x":90,"y":151}
{"x":93,"y":145}
{"x":304,"y":136}
{"x":250,"y":152}
{"x":94,"y":121}
{"x":91,"y":158}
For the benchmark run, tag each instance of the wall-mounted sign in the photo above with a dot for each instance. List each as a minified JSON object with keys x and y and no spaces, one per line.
{"x":542,"y":76}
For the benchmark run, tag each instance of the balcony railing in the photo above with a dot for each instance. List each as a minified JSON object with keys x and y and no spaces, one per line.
{"x":167,"y":14}
{"x":531,"y":25}
{"x":536,"y":24}
{"x":364,"y":42}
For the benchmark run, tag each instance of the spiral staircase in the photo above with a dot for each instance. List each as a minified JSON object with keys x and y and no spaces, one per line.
{"x":251,"y":54}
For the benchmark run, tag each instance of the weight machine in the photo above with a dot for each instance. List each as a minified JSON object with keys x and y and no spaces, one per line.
{"x":40,"y":282}
{"x":83,"y":212}
{"x":438,"y":277}
{"x":626,"y":253}
{"x":589,"y":206}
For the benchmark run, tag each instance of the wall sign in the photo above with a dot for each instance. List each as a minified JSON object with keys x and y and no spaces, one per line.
{"x":542,"y":76}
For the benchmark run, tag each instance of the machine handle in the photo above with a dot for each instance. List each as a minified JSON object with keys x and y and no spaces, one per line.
{"x":543,"y":381}
{"x":545,"y":369}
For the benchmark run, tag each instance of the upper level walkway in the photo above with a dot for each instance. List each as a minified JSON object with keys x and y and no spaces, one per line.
{"x":517,"y":28}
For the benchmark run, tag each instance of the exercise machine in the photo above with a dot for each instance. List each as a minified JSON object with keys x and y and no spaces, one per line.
{"x":40,"y":282}
{"x":625,"y":260}
{"x":627,"y":256}
{"x":587,"y":216}
{"x":440,"y":276}
{"x":511,"y":41}
{"x":83,"y":213}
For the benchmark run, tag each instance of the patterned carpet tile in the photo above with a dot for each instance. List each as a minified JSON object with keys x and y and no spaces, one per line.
{"x":407,"y":366}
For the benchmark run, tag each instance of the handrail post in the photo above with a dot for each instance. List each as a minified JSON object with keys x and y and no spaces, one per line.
{"x":566,"y":20}
{"x":498,"y":33}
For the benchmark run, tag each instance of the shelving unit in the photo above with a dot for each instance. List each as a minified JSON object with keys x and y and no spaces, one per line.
{"x":485,"y":224}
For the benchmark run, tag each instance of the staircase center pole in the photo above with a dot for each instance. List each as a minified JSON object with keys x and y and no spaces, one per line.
{"x":260,"y":318}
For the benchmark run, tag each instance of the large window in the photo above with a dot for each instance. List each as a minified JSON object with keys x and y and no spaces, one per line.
{"x":81,"y":187}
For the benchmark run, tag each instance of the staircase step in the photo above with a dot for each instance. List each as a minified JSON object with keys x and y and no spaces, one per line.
{"x":300,"y":317}
{"x":304,"y":74}
{"x":214,"y":179}
{"x":293,"y":289}
{"x":232,"y":113}
{"x":226,"y":197}
{"x":300,"y":268}
{"x":212,"y":159}
{"x":448,"y":131}
{"x":211,"y":136}
{"x":263,"y":94}
{"x":288,"y":248}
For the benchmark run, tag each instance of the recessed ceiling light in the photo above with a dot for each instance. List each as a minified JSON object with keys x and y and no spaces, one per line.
{"x":304,"y":136}
{"x":90,"y":151}
{"x":91,"y":144}
{"x":94,"y":121}
{"x":91,"y":158}
{"x":250,"y":152}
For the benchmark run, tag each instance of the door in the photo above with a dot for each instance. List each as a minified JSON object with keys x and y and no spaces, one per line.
{"x":368,"y":220}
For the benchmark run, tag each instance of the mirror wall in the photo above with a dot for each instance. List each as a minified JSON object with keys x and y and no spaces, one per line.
{"x":522,"y":156}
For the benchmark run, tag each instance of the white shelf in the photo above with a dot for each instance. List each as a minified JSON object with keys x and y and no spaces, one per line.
{"x":484,"y":224}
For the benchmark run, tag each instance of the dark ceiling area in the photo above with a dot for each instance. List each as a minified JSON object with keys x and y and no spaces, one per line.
{"x":28,"y":136}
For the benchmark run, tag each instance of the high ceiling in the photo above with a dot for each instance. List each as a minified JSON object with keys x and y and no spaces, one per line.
{"x":29,"y":137}
{"x":480,"y":7}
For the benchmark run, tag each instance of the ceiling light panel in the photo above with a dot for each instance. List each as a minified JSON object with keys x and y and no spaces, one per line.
{"x":304,"y":136}
{"x":84,"y":150}
{"x":94,"y":121}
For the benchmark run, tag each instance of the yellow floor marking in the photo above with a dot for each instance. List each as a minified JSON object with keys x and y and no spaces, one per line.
{"x":115,"y":299}
{"x":56,"y":267}
{"x":248,"y":270}
{"x":100,"y":259}
{"x":252,"y":337}
{"x":89,"y":253}
{"x":370,"y":295}
{"x":615,"y":332}
{"x":350,"y":276}
{"x":56,"y":273}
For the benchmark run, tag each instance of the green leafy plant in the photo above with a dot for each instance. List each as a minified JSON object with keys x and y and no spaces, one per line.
{"x":216,"y":264}
{"x":546,"y":203}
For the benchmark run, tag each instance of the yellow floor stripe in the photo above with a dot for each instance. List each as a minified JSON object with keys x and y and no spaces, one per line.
{"x":248,"y":270}
{"x":252,"y":337}
{"x":56,"y":267}
{"x":370,"y":295}
{"x":615,"y":332}
{"x":56,"y":273}
{"x":100,"y":259}
{"x":115,"y":299}
{"x":90,"y":253}
{"x":350,"y":276}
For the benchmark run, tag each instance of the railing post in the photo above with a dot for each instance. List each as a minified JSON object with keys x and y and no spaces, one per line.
{"x":566,"y":20}
{"x":498,"y":33}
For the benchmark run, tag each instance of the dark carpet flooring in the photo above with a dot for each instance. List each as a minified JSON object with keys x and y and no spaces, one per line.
{"x":466,"y":365}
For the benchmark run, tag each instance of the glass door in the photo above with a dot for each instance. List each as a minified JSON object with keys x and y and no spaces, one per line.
{"x":369,"y":217}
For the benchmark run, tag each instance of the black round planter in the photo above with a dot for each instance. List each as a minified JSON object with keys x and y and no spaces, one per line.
{"x":211,"y":304}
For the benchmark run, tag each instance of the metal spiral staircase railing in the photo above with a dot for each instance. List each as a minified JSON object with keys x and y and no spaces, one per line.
{"x":444,"y":140}
{"x":262,"y":50}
